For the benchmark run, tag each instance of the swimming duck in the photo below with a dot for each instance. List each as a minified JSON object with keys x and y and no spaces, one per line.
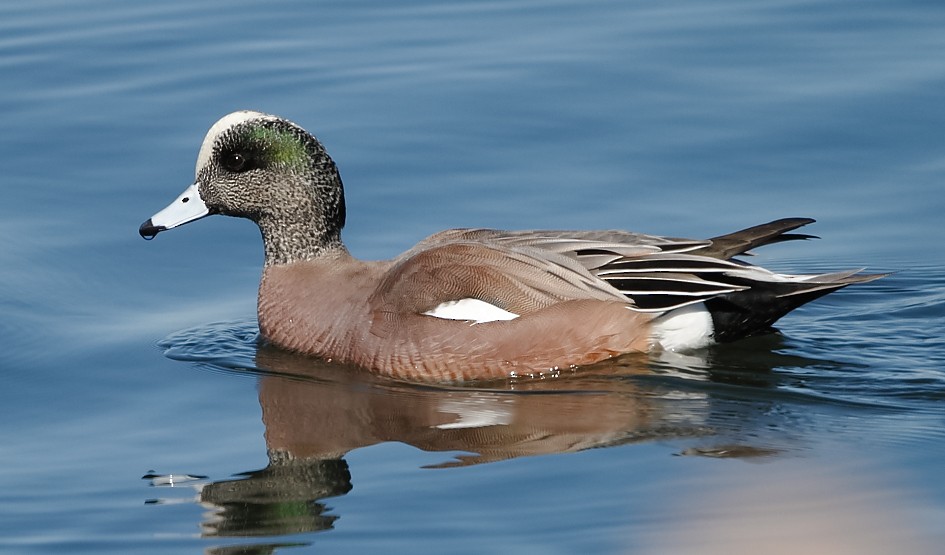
{"x":471,"y":304}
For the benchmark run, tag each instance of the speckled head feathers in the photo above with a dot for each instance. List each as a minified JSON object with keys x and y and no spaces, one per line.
{"x":224,"y":124}
{"x":271,"y":171}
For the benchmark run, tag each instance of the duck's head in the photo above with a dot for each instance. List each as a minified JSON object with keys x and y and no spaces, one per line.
{"x":271,"y":171}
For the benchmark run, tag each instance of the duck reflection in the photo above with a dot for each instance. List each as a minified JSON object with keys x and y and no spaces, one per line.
{"x":281,"y":499}
{"x":315,"y":413}
{"x":318,"y":411}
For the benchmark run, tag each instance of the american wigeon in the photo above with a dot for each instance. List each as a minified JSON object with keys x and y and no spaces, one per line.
{"x":470,"y":304}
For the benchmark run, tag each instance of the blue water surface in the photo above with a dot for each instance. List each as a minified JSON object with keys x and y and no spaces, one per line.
{"x":123,"y":359}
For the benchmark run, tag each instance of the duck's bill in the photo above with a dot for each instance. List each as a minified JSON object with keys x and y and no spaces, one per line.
{"x":186,"y":208}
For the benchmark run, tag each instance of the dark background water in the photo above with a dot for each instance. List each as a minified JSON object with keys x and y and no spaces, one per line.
{"x":679,"y":118}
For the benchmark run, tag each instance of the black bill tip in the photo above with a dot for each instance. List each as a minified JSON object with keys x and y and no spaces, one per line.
{"x":148,"y":230}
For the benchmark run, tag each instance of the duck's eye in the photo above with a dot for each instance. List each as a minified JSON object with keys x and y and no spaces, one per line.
{"x":236,"y":162}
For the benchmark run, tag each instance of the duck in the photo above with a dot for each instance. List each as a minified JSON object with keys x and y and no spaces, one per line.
{"x":474,"y":304}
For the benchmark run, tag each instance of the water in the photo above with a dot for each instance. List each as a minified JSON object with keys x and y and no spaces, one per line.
{"x":123,"y":359}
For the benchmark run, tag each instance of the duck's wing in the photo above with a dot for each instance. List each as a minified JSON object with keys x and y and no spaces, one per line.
{"x":519,"y":280}
{"x":652,"y":273}
{"x":523,"y":271}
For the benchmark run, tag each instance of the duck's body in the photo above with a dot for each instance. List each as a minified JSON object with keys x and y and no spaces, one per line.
{"x":364,"y":313}
{"x":473,"y":303}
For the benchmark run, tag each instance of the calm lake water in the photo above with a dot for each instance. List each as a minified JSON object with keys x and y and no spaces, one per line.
{"x":123,"y":359}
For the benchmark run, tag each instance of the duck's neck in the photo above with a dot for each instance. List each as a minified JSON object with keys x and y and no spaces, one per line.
{"x":287,"y":241}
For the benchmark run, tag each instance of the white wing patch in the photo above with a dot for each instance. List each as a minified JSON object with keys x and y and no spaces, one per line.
{"x":470,"y":310}
{"x":684,"y":329}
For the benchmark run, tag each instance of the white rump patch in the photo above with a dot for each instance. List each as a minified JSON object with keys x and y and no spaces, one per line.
{"x":684,"y":329}
{"x":470,"y":310}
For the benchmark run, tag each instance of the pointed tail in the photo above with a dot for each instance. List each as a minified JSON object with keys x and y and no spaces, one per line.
{"x":740,"y":242}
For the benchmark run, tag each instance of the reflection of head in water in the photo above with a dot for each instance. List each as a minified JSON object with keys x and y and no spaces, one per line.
{"x":281,"y":499}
